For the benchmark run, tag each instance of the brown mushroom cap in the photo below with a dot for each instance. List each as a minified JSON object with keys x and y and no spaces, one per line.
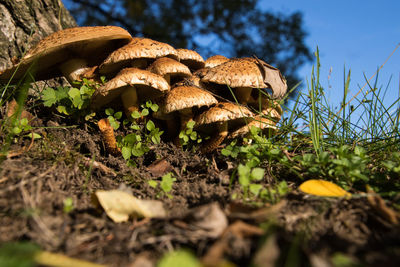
{"x":218,"y":120}
{"x":149,"y":86}
{"x":190,"y":58}
{"x":237,"y":72}
{"x":183,"y":97}
{"x":216,"y":60}
{"x":168,"y":67}
{"x":78,"y":42}
{"x":247,"y":73}
{"x":138,"y":48}
{"x":223,"y":111}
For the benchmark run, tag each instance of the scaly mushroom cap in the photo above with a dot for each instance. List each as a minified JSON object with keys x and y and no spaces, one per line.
{"x":259,"y":122}
{"x":168,"y":66}
{"x":149,"y":85}
{"x":138,"y":48}
{"x":247,"y":72}
{"x":183,"y":97}
{"x":190,"y":58}
{"x":216,"y":60}
{"x":90,"y":43}
{"x":223,"y":112}
{"x":237,"y":72}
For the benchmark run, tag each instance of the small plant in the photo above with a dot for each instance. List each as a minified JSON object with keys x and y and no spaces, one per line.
{"x":137,"y":143}
{"x":248,"y":176}
{"x":189,"y":135}
{"x":68,"y":205}
{"x":70,"y":100}
{"x":113,"y":118}
{"x":166,"y":183}
{"x":274,"y":193}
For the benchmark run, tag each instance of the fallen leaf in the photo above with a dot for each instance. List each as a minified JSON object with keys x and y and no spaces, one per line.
{"x":119,"y":205}
{"x":323,"y":188}
{"x":208,"y":218}
{"x":159,"y":167}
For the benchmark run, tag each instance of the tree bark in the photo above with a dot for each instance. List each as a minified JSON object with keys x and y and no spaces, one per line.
{"x":24,"y":22}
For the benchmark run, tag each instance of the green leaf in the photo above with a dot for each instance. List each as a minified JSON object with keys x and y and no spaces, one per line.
{"x":153,"y":183}
{"x":145,"y":112}
{"x":257,"y":174}
{"x":118,"y":115}
{"x":136,"y":114}
{"x":126,"y":152}
{"x":74,"y":92}
{"x":166,"y":182}
{"x":150,"y":126}
{"x":63,"y":110}
{"x":49,"y":97}
{"x":255,"y":189}
{"x":190,"y":124}
{"x":109,"y":111}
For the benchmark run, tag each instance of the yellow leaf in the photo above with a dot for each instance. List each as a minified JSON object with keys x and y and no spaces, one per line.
{"x":323,"y":188}
{"x":119,"y":205}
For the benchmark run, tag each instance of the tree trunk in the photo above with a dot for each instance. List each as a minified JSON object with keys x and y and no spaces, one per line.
{"x":24,"y":22}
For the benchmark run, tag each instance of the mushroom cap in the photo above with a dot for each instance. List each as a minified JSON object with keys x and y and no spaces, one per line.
{"x":183,"y":97}
{"x":148,"y":85}
{"x":216,"y":60}
{"x":91,"y":43}
{"x":138,"y":48}
{"x":190,"y":58}
{"x":258,"y":121}
{"x":237,"y":72}
{"x":165,"y":65}
{"x":248,"y":72}
{"x":223,"y":111}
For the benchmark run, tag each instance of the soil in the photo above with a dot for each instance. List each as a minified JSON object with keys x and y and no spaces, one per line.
{"x":71,"y":162}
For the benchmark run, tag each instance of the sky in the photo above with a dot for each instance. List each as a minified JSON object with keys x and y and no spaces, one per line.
{"x":357,"y":35}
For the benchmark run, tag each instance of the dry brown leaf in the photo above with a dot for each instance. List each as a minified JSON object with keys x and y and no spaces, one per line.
{"x":323,"y":188}
{"x":159,"y":167}
{"x":120,"y":205}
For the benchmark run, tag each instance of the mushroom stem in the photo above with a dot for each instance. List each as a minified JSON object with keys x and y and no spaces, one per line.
{"x":243,"y":94}
{"x":130,"y":101}
{"x":216,"y":139}
{"x":73,"y":69}
{"x":107,"y":133}
{"x":186,"y":115}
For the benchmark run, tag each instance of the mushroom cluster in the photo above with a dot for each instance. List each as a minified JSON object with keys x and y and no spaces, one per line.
{"x":223,"y":96}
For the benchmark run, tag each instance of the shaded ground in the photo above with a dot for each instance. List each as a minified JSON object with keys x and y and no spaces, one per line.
{"x":309,"y":230}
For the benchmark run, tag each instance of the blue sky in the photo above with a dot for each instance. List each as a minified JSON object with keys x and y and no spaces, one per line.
{"x":357,"y":34}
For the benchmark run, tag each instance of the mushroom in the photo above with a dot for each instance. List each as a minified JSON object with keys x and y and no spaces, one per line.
{"x":70,"y":52}
{"x":183,"y":99}
{"x":131,"y":84}
{"x":244,"y":75}
{"x":264,"y":124}
{"x":170,"y":69}
{"x":140,"y":52}
{"x":107,"y":133}
{"x":214,"y":61}
{"x":218,"y":120}
{"x":190,"y":58}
